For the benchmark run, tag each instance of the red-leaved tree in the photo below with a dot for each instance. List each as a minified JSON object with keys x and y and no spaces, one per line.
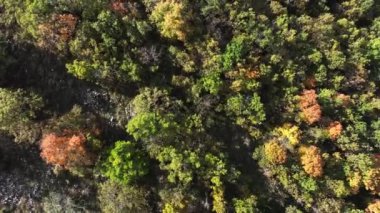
{"x":311,"y":110}
{"x":59,"y":29}
{"x":67,"y":151}
{"x":335,"y":130}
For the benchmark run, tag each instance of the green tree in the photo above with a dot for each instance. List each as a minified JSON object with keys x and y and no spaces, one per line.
{"x":247,"y":205}
{"x":148,"y":125}
{"x":180,"y":166}
{"x":125,"y":163}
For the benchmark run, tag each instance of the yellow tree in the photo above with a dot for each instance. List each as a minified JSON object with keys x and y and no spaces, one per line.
{"x":311,"y":160}
{"x":355,"y":181}
{"x":275,"y":153}
{"x":288,"y":133}
{"x":371,"y":180}
{"x":171,"y":19}
{"x":373,"y":207}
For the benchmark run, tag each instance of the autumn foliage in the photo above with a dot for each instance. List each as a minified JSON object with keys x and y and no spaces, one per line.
{"x":372,"y":181}
{"x":288,"y":133}
{"x":67,"y":151}
{"x":311,"y":160}
{"x":275,"y":153}
{"x":373,"y":207}
{"x":65,"y":25}
{"x":191,"y":106}
{"x":60,"y":28}
{"x":335,"y":130}
{"x":310,"y":82}
{"x":172,"y":19}
{"x":124,"y":7}
{"x":343,"y":99}
{"x":310,"y":108}
{"x":252,"y":74}
{"x":119,"y":7}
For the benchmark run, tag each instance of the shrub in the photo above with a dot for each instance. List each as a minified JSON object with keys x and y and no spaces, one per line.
{"x":59,"y":29}
{"x":18,"y":108}
{"x":119,"y":198}
{"x":56,"y":202}
{"x":247,"y":205}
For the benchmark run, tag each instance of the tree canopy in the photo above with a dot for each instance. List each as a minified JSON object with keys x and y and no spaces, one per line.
{"x":198,"y":106}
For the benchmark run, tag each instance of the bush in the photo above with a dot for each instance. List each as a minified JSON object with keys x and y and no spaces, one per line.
{"x":57,"y":203}
{"x":247,"y":205}
{"x":119,"y":198}
{"x":18,"y":108}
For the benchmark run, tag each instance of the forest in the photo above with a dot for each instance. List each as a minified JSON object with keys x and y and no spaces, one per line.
{"x":190,"y":106}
